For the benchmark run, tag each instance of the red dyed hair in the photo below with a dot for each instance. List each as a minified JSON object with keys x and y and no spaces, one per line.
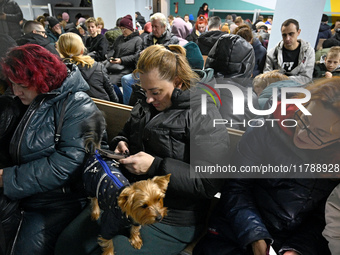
{"x":34,"y":67}
{"x":201,"y":20}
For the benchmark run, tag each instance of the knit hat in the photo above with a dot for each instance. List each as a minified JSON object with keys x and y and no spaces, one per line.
{"x":65,"y":16}
{"x":194,"y":55}
{"x":52,"y":21}
{"x":81,"y":20}
{"x":148,"y":27}
{"x":126,"y":22}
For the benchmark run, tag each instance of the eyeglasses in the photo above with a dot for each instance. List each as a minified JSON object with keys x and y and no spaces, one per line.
{"x":310,"y":134}
{"x":43,"y":32}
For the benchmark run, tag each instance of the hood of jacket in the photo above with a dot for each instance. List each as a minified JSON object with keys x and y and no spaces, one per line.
{"x":86,"y":71}
{"x":209,"y":38}
{"x":232,"y":56}
{"x":33,"y":39}
{"x":180,"y":28}
{"x":133,"y":34}
{"x":73,"y":83}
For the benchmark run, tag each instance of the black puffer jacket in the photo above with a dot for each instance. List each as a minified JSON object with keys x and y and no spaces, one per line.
{"x":233,"y":60}
{"x":11,"y":25}
{"x":32,"y":38}
{"x":127,"y":49}
{"x":176,"y":137}
{"x":288,"y":212}
{"x":96,"y":77}
{"x":207,"y":40}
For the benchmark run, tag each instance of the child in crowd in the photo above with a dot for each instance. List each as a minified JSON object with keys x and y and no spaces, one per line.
{"x":331,"y":66}
{"x":96,"y":44}
{"x":263,"y":80}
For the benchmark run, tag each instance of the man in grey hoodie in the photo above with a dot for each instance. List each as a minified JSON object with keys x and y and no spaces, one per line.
{"x":292,"y":56}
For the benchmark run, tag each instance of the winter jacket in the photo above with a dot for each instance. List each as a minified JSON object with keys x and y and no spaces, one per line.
{"x":287,"y":213}
{"x":14,"y":15}
{"x":166,"y":39}
{"x":333,"y":41}
{"x":260,"y":56}
{"x":207,"y":40}
{"x":167,"y":136}
{"x":193,"y":36}
{"x":127,"y":49}
{"x":181,"y":30}
{"x":303,"y":73}
{"x":320,"y":69}
{"x":40,"y":165}
{"x":232,"y":58}
{"x":141,"y":20}
{"x":332,"y":214}
{"x":11,"y":111}
{"x":324,"y":33}
{"x":97,"y":79}
{"x":53,"y":37}
{"x":97,"y":47}
{"x":32,"y":38}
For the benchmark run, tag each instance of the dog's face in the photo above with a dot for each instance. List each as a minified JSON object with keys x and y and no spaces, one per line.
{"x":143,"y":200}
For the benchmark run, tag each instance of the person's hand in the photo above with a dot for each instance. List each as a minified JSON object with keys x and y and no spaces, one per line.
{"x":1,"y":182}
{"x":290,"y":253}
{"x":57,"y":29}
{"x":138,"y":164}
{"x":2,"y":16}
{"x":328,"y":75}
{"x":259,"y":247}
{"x":116,"y":61}
{"x":122,"y":147}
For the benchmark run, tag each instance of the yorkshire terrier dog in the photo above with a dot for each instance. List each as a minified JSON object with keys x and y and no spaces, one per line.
{"x":123,"y":205}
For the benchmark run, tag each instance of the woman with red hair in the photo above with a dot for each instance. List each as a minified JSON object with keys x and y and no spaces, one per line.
{"x":47,"y":147}
{"x":200,"y":27}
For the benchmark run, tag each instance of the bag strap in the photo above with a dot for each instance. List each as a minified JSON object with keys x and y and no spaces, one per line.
{"x":61,"y":119}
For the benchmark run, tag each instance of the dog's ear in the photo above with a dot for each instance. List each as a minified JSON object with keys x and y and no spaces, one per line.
{"x":162,"y":181}
{"x":125,"y":198}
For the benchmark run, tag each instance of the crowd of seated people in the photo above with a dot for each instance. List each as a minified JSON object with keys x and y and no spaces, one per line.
{"x":153,"y":66}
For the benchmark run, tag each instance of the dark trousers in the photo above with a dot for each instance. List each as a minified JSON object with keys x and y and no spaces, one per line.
{"x":43,"y":220}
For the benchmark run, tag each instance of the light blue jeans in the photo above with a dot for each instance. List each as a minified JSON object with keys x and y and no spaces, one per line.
{"x":127,"y":81}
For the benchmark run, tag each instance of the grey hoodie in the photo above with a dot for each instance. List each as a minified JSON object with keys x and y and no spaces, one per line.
{"x":303,"y":73}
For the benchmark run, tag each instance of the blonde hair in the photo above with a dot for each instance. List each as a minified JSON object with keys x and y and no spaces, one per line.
{"x":70,"y":46}
{"x":170,"y":62}
{"x":100,"y":21}
{"x":91,"y":20}
{"x":238,"y":20}
{"x":333,"y":52}
{"x":263,"y":80}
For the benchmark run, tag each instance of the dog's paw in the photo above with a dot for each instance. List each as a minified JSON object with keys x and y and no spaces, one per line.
{"x":136,"y":242}
{"x":95,"y":214}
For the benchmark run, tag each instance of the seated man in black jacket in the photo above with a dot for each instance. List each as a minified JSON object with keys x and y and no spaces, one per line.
{"x":34,"y":33}
{"x":207,"y":40}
